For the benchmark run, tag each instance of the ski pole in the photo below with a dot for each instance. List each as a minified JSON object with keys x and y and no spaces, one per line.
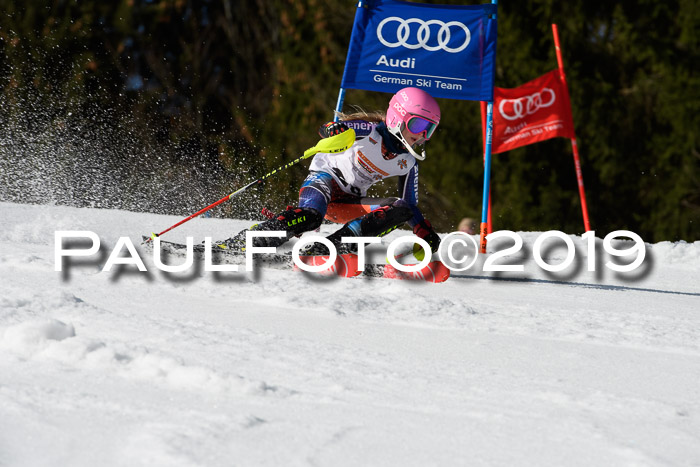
{"x":334,"y":144}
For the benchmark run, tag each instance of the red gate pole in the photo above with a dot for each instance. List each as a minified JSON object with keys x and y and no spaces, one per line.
{"x":574,"y":146}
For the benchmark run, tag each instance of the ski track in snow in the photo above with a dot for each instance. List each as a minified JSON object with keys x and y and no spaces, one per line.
{"x":128,"y":368}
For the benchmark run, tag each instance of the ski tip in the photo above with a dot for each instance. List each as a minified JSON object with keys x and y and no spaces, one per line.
{"x":346,"y":265}
{"x":440,"y":272}
{"x":434,"y":272}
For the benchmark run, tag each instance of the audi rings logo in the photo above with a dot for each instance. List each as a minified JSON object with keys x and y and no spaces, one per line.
{"x":527,"y":105}
{"x":444,"y":34}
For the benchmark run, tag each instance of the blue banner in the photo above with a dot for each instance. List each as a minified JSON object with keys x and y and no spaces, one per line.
{"x":447,"y":50}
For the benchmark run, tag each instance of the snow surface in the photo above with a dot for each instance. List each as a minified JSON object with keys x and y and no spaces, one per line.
{"x":276,"y":368}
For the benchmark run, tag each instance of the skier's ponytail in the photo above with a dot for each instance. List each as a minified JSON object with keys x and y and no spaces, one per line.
{"x":361,"y":114}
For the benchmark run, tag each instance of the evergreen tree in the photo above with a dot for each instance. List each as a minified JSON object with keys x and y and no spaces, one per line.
{"x":176,"y":102}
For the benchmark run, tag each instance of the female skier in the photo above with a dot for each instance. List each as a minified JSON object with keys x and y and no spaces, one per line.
{"x":336,"y":187}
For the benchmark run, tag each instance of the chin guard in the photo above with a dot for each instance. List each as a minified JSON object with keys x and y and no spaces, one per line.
{"x":398,"y":133}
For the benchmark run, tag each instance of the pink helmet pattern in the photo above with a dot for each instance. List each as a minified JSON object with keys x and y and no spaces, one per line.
{"x":408,"y":103}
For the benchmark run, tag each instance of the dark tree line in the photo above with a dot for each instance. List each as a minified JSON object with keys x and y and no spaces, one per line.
{"x":167,"y":105}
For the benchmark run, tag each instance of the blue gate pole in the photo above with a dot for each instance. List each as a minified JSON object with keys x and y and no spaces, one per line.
{"x":341,"y":93}
{"x":487,"y":176}
{"x":487,"y":164}
{"x":339,"y":105}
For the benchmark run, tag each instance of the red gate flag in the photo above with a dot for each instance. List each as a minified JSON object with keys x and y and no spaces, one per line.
{"x":536,"y":111}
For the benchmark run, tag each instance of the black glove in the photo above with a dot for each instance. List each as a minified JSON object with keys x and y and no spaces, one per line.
{"x":425,"y":231}
{"x":331,"y":129}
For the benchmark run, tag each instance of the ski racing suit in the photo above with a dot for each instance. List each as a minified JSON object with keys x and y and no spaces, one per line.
{"x":337,"y":184}
{"x":336,"y":189}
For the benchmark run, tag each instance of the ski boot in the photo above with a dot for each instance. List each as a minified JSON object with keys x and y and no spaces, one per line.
{"x":374,"y":224}
{"x":294,"y":221}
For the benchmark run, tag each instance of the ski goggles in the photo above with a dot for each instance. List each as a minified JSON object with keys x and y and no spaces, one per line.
{"x":418,"y":125}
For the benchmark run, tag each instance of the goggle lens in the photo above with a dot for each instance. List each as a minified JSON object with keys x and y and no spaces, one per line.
{"x":418,"y":125}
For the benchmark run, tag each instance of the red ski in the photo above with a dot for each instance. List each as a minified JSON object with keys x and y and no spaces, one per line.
{"x":435,"y":272}
{"x":345,"y":265}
